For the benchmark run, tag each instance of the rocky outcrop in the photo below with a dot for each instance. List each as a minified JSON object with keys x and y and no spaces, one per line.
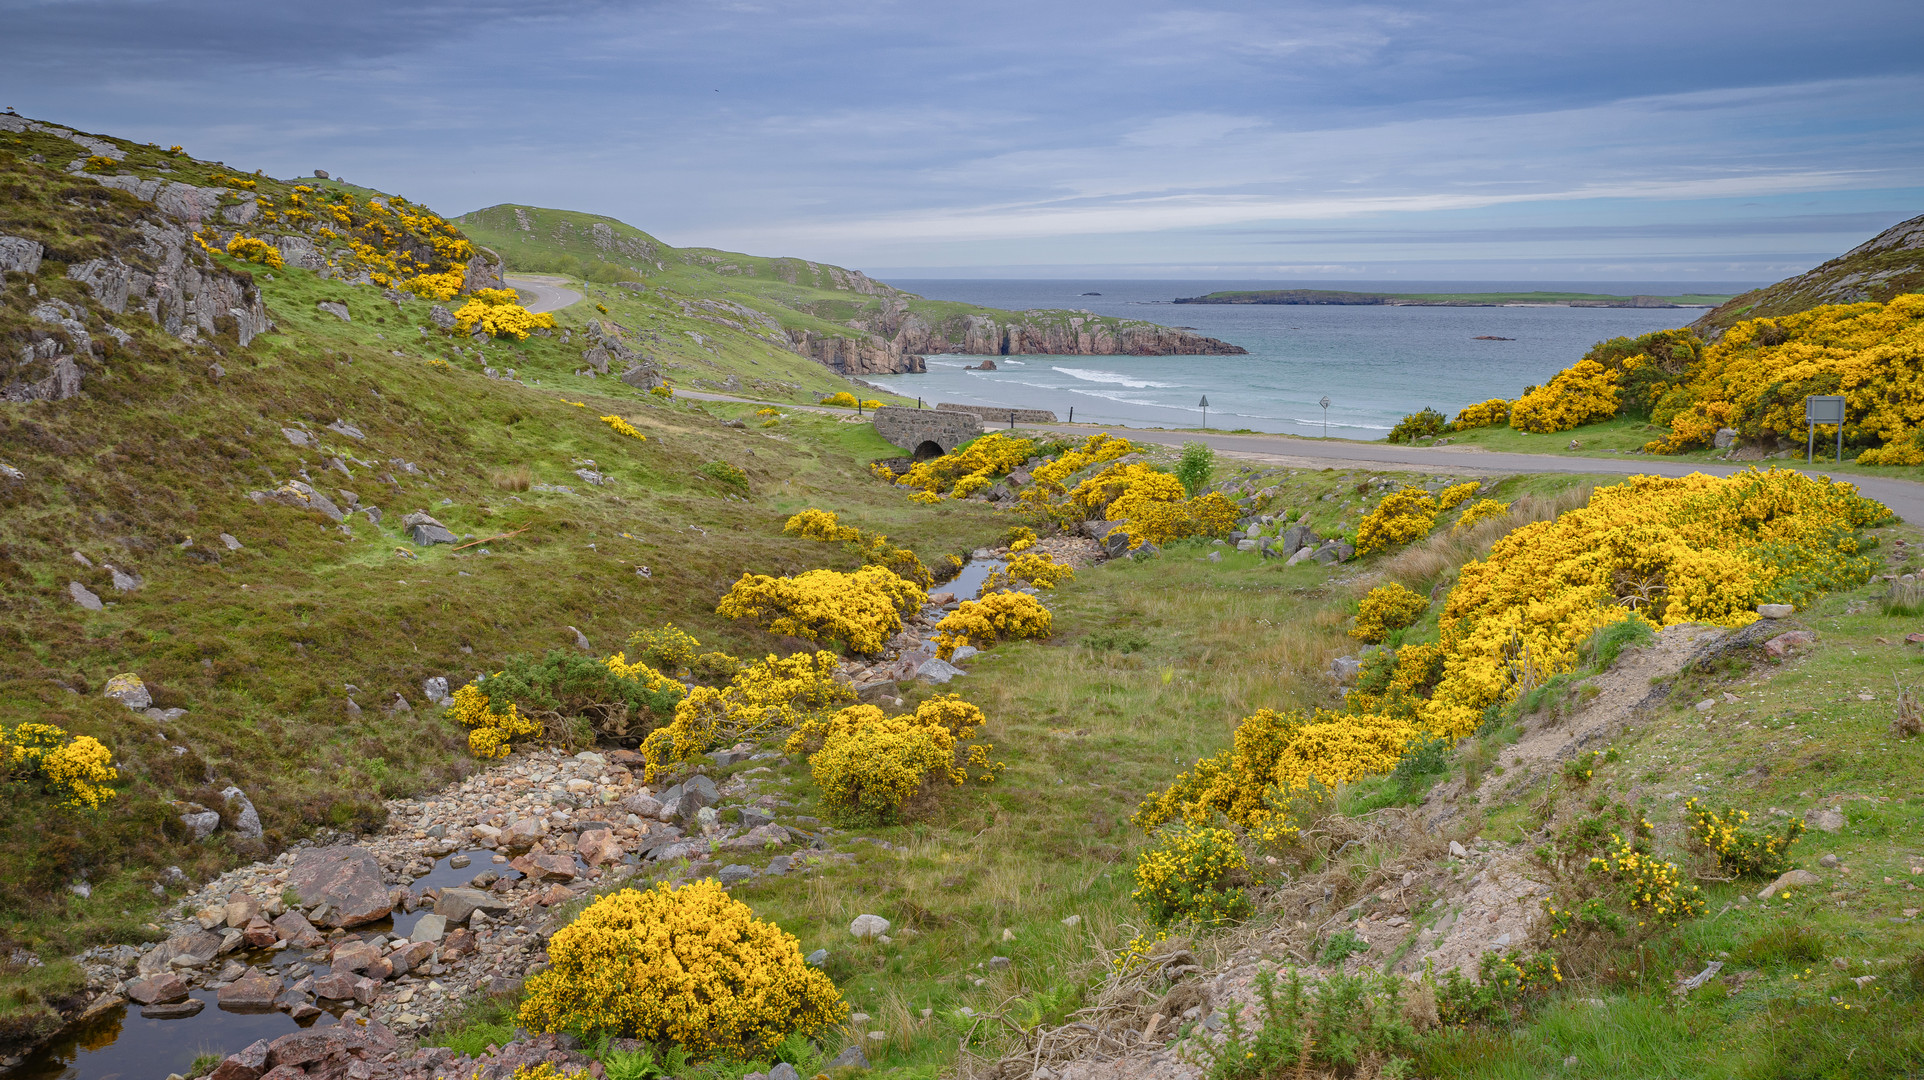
{"x":1885,"y":266}
{"x":895,"y":339}
{"x":180,"y":290}
{"x":869,"y":354}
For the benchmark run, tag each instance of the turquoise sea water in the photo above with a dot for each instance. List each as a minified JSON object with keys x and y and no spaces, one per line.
{"x":1376,"y":364}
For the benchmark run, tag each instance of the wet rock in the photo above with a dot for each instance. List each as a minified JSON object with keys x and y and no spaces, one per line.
{"x":157,"y":989}
{"x":293,"y":928}
{"x":456,"y":905}
{"x":361,"y":958}
{"x":545,"y":867}
{"x":246,"y":1064}
{"x":198,"y":945}
{"x":259,"y":934}
{"x":178,"y":1010}
{"x":335,"y":986}
{"x":254,"y":990}
{"x":411,"y":956}
{"x":430,"y":928}
{"x":347,"y":879}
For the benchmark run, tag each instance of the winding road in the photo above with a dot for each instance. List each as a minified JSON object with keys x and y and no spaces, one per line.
{"x":542,"y":293}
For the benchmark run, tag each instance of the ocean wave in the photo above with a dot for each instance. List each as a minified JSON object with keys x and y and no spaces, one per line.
{"x":1115,"y":377}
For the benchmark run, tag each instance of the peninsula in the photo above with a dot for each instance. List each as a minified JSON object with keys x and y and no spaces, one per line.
{"x":1495,"y":299}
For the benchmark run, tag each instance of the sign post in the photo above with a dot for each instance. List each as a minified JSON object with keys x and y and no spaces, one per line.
{"x":1325,"y":404}
{"x":1204,"y":406}
{"x":1823,"y":410}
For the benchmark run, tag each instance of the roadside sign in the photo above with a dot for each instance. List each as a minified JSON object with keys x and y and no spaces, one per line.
{"x":1823,"y":409}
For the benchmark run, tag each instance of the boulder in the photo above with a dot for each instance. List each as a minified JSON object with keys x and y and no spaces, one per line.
{"x":1333,"y":551}
{"x":336,"y":986}
{"x":293,"y":928}
{"x":347,"y":879}
{"x":430,"y":928}
{"x":83,"y":596}
{"x":254,"y":990}
{"x":246,"y":1064}
{"x":435,"y":690}
{"x":157,"y":989}
{"x":1116,"y":544}
{"x":200,"y":822}
{"x":1824,"y":818}
{"x":868,"y":926}
{"x":410,"y":956}
{"x":425,"y":531}
{"x":129,"y":691}
{"x":1782,"y":645}
{"x":241,"y":909}
{"x":361,"y":958}
{"x":642,"y":805}
{"x":735,"y":874}
{"x":1789,"y":879}
{"x":179,"y":1010}
{"x":851,"y":1058}
{"x":1724,"y":439}
{"x":456,"y":905}
{"x":540,"y":867}
{"x":1344,"y":669}
{"x":259,"y":933}
{"x":522,"y":834}
{"x":599,"y":848}
{"x":336,"y":309}
{"x":440,"y":316}
{"x":198,"y":945}
{"x":1775,"y":611}
{"x":247,"y":820}
{"x":937,"y":670}
{"x":1297,"y":537}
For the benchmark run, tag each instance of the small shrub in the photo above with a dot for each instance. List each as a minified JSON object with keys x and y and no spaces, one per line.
{"x":1193,"y":873}
{"x":76,"y":769}
{"x":1740,"y":852}
{"x":1401,"y":517}
{"x":1001,"y":616}
{"x":1019,"y":538}
{"x":1350,"y":1026}
{"x":616,"y":698}
{"x":499,"y":312}
{"x":868,"y":765}
{"x":1386,"y":608}
{"x":732,"y":475}
{"x":1503,"y":989}
{"x":1418,"y":424}
{"x":861,"y":610}
{"x":665,"y":392}
{"x":256,"y":250}
{"x":841,"y":400}
{"x":1340,"y":947}
{"x":1196,"y":466}
{"x":1039,"y":569}
{"x":771,"y":694}
{"x":1492,"y":413}
{"x":517,"y":478}
{"x":1456,"y":494}
{"x":623,"y":427}
{"x":1480,"y":510}
{"x":1578,"y":770}
{"x":688,"y":966}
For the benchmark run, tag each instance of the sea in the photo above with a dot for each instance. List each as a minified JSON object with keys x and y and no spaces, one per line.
{"x":1373,"y":365}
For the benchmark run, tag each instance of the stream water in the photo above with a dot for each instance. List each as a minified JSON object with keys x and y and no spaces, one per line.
{"x":121,"y":1044}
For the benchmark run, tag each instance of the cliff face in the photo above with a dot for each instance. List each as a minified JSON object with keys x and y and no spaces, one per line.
{"x":1040,"y":333}
{"x":1887,"y":265}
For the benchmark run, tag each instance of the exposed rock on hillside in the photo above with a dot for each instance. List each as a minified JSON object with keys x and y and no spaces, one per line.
{"x":1886,"y":265}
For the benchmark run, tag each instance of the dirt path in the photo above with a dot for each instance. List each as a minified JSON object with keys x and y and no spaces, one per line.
{"x":541,"y":293}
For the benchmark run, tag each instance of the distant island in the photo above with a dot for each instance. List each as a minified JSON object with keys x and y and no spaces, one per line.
{"x":1521,"y":299}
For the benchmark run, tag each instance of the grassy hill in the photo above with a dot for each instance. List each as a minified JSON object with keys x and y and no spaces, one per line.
{"x":840,"y":317}
{"x":291,"y":648}
{"x":1887,"y":265}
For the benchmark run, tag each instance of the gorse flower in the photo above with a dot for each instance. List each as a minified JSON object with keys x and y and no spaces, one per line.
{"x":861,"y":610}
{"x":76,"y":769}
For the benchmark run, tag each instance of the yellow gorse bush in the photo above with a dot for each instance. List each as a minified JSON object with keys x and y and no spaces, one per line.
{"x":978,"y":463}
{"x":1650,"y":886}
{"x":1094,"y":450}
{"x":1478,"y":511}
{"x":499,"y":312}
{"x":1456,"y":494}
{"x":1582,"y":393}
{"x":1755,"y":378}
{"x":1402,"y":516}
{"x":1193,"y":873}
{"x":861,"y":610}
{"x":1386,"y":608}
{"x":869,"y":765}
{"x":491,"y":733}
{"x":1694,"y":549}
{"x":1039,"y":569}
{"x":255,"y":250}
{"x":688,"y":966}
{"x":999,"y":616}
{"x":1021,"y":538}
{"x":873,"y":547}
{"x":1492,"y":413}
{"x":820,"y":525}
{"x":842,"y":400}
{"x":774,"y":693}
{"x":623,"y":427}
{"x":76,"y":769}
{"x":1277,"y":758}
{"x":1143,"y":482}
{"x":1739,"y":851}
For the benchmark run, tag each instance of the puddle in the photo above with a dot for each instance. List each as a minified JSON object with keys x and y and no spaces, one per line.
{"x":122,"y":1045}
{"x":967,"y":584}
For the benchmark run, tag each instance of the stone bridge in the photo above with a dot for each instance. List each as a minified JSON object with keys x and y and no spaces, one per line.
{"x":926,"y":433}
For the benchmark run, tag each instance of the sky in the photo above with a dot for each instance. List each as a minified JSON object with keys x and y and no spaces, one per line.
{"x":1516,"y":140}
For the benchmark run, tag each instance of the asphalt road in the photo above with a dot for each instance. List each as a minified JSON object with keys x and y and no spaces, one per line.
{"x":540,"y":293}
{"x":1903,"y":496}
